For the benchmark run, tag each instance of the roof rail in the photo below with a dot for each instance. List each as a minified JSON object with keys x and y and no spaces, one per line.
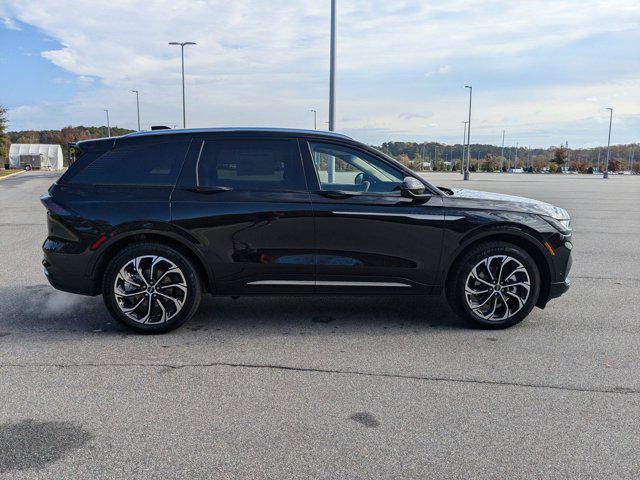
{"x":237,"y":129}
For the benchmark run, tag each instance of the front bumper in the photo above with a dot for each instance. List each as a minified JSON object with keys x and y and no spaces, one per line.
{"x":557,"y":289}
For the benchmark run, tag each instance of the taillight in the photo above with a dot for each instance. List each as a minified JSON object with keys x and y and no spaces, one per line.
{"x":54,"y":207}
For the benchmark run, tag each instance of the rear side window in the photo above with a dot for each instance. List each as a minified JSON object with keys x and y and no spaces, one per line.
{"x":250,"y":165}
{"x":156,"y":163}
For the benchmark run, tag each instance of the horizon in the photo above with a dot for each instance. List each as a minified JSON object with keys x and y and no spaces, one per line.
{"x":401,"y":68}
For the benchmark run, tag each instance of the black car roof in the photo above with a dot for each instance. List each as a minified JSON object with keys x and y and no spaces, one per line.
{"x":229,"y":130}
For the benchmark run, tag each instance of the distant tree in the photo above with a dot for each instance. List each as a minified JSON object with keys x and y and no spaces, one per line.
{"x":615,"y":165}
{"x":635,"y":168}
{"x":403,"y":159}
{"x":560,"y":156}
{"x":489,"y":163}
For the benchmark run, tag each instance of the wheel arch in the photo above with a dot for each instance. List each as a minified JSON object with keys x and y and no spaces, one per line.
{"x":110,"y":249}
{"x":515,"y":236}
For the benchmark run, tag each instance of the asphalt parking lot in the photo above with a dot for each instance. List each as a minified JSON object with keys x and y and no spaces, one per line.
{"x":329,"y":387}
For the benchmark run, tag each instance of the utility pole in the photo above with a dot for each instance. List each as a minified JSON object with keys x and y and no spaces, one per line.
{"x":332,"y":70}
{"x":184,"y":109}
{"x":108,"y":126}
{"x":466,"y":172}
{"x":502,"y":151}
{"x":137,"y":105}
{"x":464,"y":147}
{"x":606,"y":166}
{"x":315,"y":119}
{"x":515,"y":162}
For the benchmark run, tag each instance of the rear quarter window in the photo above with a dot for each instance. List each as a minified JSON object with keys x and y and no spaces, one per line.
{"x":149,"y":163}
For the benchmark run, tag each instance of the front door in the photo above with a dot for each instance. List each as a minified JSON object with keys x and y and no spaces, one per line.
{"x":246,"y":202}
{"x":369,"y":239}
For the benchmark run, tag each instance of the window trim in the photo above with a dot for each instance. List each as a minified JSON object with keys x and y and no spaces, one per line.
{"x":72,"y":181}
{"x":304,"y":188}
{"x":357,"y":149}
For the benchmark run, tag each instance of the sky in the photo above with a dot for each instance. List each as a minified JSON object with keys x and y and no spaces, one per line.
{"x":543,"y":71}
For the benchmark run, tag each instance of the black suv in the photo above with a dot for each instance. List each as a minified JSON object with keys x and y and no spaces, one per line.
{"x":152,"y":220}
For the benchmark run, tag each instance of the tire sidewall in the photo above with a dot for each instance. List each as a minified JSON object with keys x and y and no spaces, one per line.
{"x":471,"y":259}
{"x":194,"y":286}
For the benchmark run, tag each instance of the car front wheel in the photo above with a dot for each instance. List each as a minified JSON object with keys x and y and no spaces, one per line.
{"x":494,"y":285}
{"x":151,"y":288}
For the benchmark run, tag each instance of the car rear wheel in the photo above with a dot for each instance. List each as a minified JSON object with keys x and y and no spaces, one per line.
{"x":151,"y":288}
{"x":494,"y":285}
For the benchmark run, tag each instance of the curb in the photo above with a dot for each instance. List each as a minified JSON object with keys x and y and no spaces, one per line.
{"x":11,"y":175}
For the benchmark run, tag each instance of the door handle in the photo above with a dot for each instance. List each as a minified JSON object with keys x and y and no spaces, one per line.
{"x":209,"y":190}
{"x":336,"y":194}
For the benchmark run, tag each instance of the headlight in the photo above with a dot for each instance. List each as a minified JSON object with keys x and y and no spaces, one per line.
{"x":563,"y":225}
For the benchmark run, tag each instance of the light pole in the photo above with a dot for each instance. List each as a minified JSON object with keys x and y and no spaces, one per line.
{"x":502,"y":152}
{"x":606,"y":165}
{"x":137,"y":105}
{"x":108,"y":126}
{"x":515,"y":161}
{"x":184,"y":110}
{"x":466,"y":171}
{"x":464,"y":147}
{"x":332,"y":70}
{"x":315,"y":119}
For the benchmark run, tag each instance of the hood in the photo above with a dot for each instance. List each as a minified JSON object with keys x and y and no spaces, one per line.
{"x":517,"y":203}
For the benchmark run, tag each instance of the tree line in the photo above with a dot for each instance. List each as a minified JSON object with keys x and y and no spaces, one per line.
{"x":419,"y":156}
{"x":61,"y":137}
{"x":440,"y":156}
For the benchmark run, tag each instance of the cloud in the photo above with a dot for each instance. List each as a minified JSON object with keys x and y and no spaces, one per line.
{"x":442,"y":70}
{"x":412,"y":116}
{"x":266,"y":63}
{"x":9,"y":23}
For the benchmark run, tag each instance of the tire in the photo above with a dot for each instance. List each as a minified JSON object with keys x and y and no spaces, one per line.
{"x":143,"y":267}
{"x":500,"y":306}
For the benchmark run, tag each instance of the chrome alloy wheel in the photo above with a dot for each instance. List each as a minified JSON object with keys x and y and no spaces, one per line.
{"x":497,"y":288}
{"x":150,"y":289}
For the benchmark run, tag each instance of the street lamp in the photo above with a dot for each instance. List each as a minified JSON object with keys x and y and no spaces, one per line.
{"x":184,"y":112}
{"x":108,"y":126}
{"x":466,"y":172}
{"x":606,"y":165}
{"x":332,"y":70}
{"x":502,"y":152}
{"x":137,"y":105}
{"x":315,"y":119}
{"x":464,"y":147}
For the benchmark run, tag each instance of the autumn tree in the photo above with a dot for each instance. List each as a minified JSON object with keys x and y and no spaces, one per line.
{"x":560,"y":156}
{"x":489,"y":163}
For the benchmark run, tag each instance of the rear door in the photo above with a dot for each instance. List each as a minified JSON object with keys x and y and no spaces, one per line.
{"x":369,"y":239}
{"x":246,"y":202}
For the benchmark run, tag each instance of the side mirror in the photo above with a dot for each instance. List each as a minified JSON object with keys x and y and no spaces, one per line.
{"x":414,"y":189}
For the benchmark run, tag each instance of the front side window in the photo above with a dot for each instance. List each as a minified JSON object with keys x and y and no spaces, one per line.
{"x":156,"y":164}
{"x":346,"y":169}
{"x":250,"y":165}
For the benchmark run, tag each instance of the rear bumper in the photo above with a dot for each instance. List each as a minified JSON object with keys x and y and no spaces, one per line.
{"x":68,"y":282}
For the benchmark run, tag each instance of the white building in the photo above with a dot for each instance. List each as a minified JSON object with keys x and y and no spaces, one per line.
{"x":47,"y":157}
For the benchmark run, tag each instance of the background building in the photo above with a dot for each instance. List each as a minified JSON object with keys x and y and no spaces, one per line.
{"x":47,"y":157}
